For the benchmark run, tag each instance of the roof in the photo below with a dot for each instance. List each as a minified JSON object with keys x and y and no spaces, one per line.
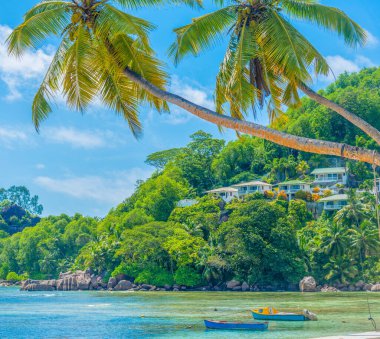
{"x":223,"y":189}
{"x":252,"y":183}
{"x":293,"y":182}
{"x":329,"y":170}
{"x":336,"y":197}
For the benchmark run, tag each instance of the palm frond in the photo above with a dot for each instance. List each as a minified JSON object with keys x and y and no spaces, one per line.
{"x":37,"y":27}
{"x":136,"y":4}
{"x":202,"y":33}
{"x":327,"y":17}
{"x":129,"y":54}
{"x":46,"y":5}
{"x":80,"y":82}
{"x":41,"y":107}
{"x":116,"y":90}
{"x":112,"y":21}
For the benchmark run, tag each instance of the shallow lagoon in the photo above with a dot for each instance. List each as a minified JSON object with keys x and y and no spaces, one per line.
{"x":179,"y":315}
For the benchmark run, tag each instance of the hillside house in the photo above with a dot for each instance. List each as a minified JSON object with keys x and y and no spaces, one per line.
{"x":334,"y":202}
{"x":226,"y":193}
{"x":252,"y":187}
{"x":292,"y":187}
{"x":325,"y":177}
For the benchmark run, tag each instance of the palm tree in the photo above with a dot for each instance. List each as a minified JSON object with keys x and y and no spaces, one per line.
{"x":341,"y":269}
{"x":334,"y":239}
{"x":268,"y":59}
{"x":105,"y":52}
{"x":364,"y":239}
{"x":354,"y":213}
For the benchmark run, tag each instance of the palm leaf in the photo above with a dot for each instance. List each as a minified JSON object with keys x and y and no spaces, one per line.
{"x":41,"y":107}
{"x":137,"y":4}
{"x":327,"y":17}
{"x":80,"y":82}
{"x":37,"y":27}
{"x":202,"y":33}
{"x":116,"y":90}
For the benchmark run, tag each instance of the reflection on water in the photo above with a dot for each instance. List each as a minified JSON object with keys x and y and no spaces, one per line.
{"x":176,"y":315}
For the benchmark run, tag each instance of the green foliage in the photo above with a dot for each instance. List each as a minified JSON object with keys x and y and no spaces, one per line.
{"x":154,"y":276}
{"x":13,"y":276}
{"x":187,"y":276}
{"x":20,"y":196}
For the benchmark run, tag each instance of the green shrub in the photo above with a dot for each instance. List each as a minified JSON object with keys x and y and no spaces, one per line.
{"x":155,"y":276}
{"x":131,"y":270}
{"x":13,"y":276}
{"x":187,"y":276}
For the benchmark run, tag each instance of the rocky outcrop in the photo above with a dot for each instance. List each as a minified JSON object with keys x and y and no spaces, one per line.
{"x":112,"y":282}
{"x":69,"y":281}
{"x":375,"y":288}
{"x":232,"y":284}
{"x":244,"y":287}
{"x":123,"y":285}
{"x":326,"y":288}
{"x":308,"y":284}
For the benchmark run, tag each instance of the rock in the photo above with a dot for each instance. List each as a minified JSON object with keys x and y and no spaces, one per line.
{"x":176,"y":286}
{"x":308,"y":284}
{"x":123,"y":285}
{"x":375,"y":288}
{"x":183,"y":288}
{"x":236,"y":288}
{"x":175,"y":289}
{"x":244,"y":287}
{"x":233,"y":283}
{"x":360,"y":284}
{"x":112,"y":282}
{"x":167,"y":287}
{"x":326,"y":288}
{"x":146,"y":286}
{"x":351,"y":288}
{"x":367,"y":287}
{"x":38,"y":285}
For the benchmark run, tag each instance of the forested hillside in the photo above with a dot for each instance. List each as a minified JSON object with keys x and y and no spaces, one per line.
{"x":263,"y":240}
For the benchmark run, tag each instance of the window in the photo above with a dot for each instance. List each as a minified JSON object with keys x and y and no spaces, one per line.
{"x":296,"y":187}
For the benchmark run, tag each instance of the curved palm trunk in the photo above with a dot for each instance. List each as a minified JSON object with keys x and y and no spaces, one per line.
{"x":353,"y":118}
{"x":263,"y":132}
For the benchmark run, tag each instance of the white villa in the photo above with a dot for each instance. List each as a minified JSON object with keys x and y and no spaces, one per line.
{"x":226,"y":193}
{"x":325,"y":177}
{"x":334,"y":202}
{"x":252,"y":187}
{"x":292,"y":187}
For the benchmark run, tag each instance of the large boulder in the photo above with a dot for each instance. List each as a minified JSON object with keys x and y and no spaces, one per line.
{"x":375,"y":288}
{"x":123,"y":285}
{"x":232,"y":284}
{"x":112,"y":282}
{"x":244,"y":286}
{"x":308,"y":284}
{"x":72,"y":281}
{"x":38,"y":285}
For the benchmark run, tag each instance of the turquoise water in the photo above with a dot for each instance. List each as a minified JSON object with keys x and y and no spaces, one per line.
{"x":174,"y":315}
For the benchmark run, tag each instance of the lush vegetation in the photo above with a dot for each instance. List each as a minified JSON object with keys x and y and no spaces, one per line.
{"x":263,"y":240}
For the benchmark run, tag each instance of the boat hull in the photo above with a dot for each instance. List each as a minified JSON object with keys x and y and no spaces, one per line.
{"x":226,"y":325}
{"x":279,"y":317}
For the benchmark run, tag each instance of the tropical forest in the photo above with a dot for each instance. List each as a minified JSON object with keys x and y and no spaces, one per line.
{"x":265,"y":240}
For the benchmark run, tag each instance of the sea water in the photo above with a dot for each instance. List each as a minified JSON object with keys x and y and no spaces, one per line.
{"x":176,"y":314}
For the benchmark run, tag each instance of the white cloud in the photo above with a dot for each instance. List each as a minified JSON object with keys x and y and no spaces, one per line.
{"x":40,"y":166}
{"x":194,"y":93}
{"x":20,"y":72}
{"x":12,"y":136}
{"x":339,"y":65}
{"x":81,"y":139}
{"x":372,"y":40}
{"x":111,"y":188}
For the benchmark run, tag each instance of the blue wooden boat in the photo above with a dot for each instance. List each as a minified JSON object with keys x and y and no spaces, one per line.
{"x":270,"y":313}
{"x":233,"y":325}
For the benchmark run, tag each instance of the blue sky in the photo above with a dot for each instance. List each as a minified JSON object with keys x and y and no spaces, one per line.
{"x":89,"y":163}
